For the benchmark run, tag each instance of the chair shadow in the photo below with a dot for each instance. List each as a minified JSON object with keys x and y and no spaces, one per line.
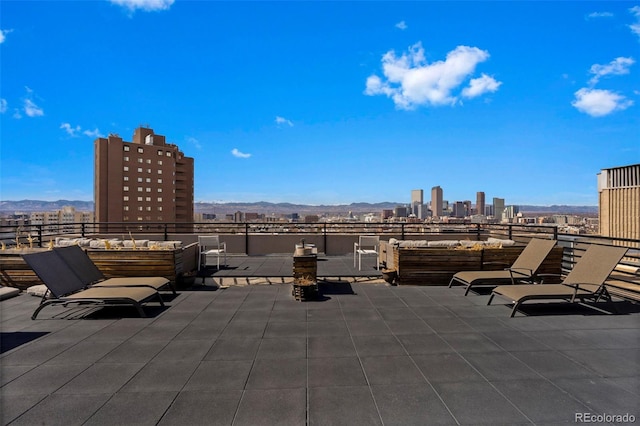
{"x":585,"y":309}
{"x":335,"y":287}
{"x":11,"y":340}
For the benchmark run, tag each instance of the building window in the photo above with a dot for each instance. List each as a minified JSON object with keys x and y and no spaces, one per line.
{"x":159,"y":180}
{"x":125,"y":198}
{"x":140,"y":180}
{"x":148,"y":189}
{"x":159,"y":199}
{"x":139,"y":208}
{"x":159,"y":171}
{"x":139,"y":160}
{"x":160,"y":208}
{"x":125,"y":188}
{"x":148,"y":161}
{"x":126,"y":158}
{"x":126,"y":148}
{"x":125,"y":208}
{"x":126,"y":178}
{"x":148,"y":208}
{"x":159,"y":152}
{"x":139,"y":189}
{"x":126,"y":168}
{"x":139,"y":198}
{"x":148,"y":170}
{"x":140,"y":218}
{"x":159,"y":189}
{"x":139,"y":169}
{"x":148,"y":199}
{"x":168,"y":153}
{"x":140,"y":150}
{"x":148,"y":180}
{"x":159,"y":162}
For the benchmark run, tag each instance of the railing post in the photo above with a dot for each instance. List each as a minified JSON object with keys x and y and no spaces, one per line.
{"x":246,"y":238}
{"x":166,"y":232}
{"x":39,"y":235}
{"x":324,"y":236}
{"x":555,"y":233}
{"x":402,"y":230}
{"x":82,"y":230}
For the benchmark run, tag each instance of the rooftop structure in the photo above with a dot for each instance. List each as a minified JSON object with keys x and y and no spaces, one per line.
{"x":146,"y":180}
{"x":619,"y":201}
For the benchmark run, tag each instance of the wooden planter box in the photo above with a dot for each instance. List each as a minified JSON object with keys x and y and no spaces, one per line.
{"x":170,"y":264}
{"x":436,"y":266}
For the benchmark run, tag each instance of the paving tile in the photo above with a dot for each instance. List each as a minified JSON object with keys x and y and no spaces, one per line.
{"x":360,"y":314}
{"x":552,"y":365}
{"x":476,"y":403}
{"x":409,"y":326}
{"x":101,"y":378}
{"x":261,"y":315}
{"x":278,"y":374}
{"x":224,"y":375}
{"x":11,"y":372}
{"x":410,"y":404}
{"x":283,"y":348}
{"x":233,"y":348}
{"x":12,"y":406}
{"x":388,"y":302}
{"x":329,"y":314}
{"x":335,"y":372}
{"x":330,"y":346}
{"x":160,"y":376}
{"x":540,"y":400}
{"x":184,"y":350}
{"x":368,"y":327}
{"x":432,"y":311}
{"x":378,"y":346}
{"x":272,"y":407}
{"x":448,"y":325}
{"x":201,"y":331}
{"x":515,"y":341}
{"x":601,"y":395}
{"x":327,"y":406}
{"x":417,"y":344}
{"x":446,"y":367}
{"x":608,"y":362}
{"x":289,"y":315}
{"x":63,"y":410}
{"x":244,"y":329}
{"x":203,"y":408}
{"x":34,"y":353}
{"x":500,"y":366}
{"x":88,"y":350}
{"x":387,"y":370}
{"x":327,"y":328}
{"x":130,"y":408}
{"x":134,"y":351}
{"x":470,"y":342}
{"x":45,"y":378}
{"x":286,"y":329}
{"x":395,"y":314}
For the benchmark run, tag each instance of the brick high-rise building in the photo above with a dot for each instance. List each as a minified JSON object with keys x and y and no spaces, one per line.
{"x":619,"y":202}
{"x":146,"y":180}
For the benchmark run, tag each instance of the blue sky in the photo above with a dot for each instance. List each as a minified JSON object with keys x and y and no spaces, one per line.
{"x":325,"y":103}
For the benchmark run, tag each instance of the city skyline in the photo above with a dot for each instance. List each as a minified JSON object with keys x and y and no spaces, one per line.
{"x":326,"y":103}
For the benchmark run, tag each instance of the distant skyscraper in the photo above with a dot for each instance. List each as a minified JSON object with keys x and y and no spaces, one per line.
{"x":480,"y":204}
{"x":498,"y":208}
{"x":417,"y":202}
{"x":401,"y":211}
{"x":436,"y":201}
{"x":619,"y":202}
{"x":147,"y":180}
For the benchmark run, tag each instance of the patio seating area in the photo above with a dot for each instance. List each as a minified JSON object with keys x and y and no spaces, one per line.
{"x":364,"y":353}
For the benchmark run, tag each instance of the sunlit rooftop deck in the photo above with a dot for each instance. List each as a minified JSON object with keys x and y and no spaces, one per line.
{"x":366,"y":353}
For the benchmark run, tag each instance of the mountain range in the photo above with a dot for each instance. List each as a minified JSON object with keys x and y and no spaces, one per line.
{"x":268,"y":208}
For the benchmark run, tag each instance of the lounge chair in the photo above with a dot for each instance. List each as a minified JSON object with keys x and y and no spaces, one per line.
{"x":523,"y":269}
{"x":66,"y":287}
{"x":91,"y":276}
{"x":584,"y":281}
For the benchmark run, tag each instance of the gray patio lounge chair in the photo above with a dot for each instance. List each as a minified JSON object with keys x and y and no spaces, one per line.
{"x":523,"y":269}
{"x":584,"y":281}
{"x":65,"y":287}
{"x":90,"y":275}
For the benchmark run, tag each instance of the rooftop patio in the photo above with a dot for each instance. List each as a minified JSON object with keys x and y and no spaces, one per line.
{"x":365,"y":353}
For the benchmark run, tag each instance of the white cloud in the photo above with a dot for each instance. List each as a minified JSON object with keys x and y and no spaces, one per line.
{"x":410,"y":81}
{"x":402,"y":25}
{"x":31,"y":109}
{"x":282,"y":120}
{"x":598,"y":103}
{"x":600,"y":15}
{"x":71,"y":131}
{"x":3,"y":106}
{"x":195,"y":142}
{"x":635,"y":27}
{"x":145,"y":5}
{"x":480,"y":86}
{"x":95,"y":133}
{"x":3,"y":35}
{"x":239,"y":154}
{"x":618,"y":66}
